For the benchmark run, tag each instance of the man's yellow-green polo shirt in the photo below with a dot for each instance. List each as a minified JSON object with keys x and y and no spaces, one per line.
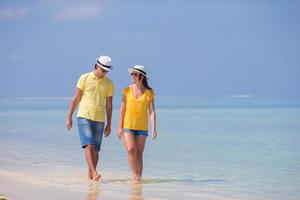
{"x":136,"y":115}
{"x":94,"y":92}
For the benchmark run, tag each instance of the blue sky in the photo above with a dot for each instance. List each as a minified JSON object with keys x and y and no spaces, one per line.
{"x":191,"y":48}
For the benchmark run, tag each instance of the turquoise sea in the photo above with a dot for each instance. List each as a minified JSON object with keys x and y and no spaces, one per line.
{"x":218,"y":148}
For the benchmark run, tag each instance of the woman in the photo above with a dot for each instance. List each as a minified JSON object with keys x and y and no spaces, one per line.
{"x":137,"y":99}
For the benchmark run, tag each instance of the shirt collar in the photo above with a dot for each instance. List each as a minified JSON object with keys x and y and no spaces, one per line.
{"x":95,"y":77}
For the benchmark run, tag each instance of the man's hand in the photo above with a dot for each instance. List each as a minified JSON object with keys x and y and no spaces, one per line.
{"x":69,"y":124}
{"x":107,"y":131}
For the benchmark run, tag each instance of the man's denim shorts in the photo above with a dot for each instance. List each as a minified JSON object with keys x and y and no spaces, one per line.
{"x":136,"y":132}
{"x":90,"y":132}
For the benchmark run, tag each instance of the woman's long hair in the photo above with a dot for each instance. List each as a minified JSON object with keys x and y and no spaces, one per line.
{"x":145,"y":82}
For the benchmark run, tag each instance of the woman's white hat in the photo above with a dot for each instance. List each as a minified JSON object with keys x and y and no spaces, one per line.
{"x":104,"y":62}
{"x":139,"y":69}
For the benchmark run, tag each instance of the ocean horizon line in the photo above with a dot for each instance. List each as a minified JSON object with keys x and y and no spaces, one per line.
{"x":163,"y":102}
{"x":229,"y":96}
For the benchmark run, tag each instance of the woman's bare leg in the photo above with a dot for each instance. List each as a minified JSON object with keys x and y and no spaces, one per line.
{"x":140,"y":144}
{"x":130,"y":144}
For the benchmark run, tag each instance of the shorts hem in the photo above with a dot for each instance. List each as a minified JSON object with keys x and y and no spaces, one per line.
{"x":136,"y":132}
{"x":94,"y":146}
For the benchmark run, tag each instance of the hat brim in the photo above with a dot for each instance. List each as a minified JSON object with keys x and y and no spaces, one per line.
{"x":105,"y":68}
{"x":131,"y":70}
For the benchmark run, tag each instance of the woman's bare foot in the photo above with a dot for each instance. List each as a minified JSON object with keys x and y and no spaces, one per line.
{"x":136,"y":179}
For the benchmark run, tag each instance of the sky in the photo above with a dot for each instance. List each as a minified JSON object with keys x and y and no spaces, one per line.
{"x":210,"y":48}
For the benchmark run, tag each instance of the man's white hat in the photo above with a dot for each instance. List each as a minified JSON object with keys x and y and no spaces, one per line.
{"x":104,"y":62}
{"x":139,"y":69}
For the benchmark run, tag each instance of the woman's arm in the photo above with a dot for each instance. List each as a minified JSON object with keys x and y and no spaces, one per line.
{"x":152,"y":114}
{"x":73,"y":106}
{"x":121,"y":117}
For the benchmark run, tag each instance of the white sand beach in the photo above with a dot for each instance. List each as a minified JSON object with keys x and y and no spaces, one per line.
{"x":14,"y":186}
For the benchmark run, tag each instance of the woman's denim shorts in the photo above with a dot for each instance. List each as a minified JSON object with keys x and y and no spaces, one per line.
{"x":90,"y":132}
{"x":136,"y":132}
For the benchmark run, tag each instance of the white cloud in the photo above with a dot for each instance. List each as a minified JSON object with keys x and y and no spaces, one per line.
{"x":12,"y":13}
{"x":79,"y":13}
{"x":241,"y":96}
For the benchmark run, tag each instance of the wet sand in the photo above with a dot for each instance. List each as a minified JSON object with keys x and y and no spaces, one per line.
{"x":21,"y":186}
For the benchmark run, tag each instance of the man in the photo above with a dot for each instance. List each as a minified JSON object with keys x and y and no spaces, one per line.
{"x":94,"y":93}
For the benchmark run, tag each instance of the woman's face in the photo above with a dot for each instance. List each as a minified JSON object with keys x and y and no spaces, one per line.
{"x":136,"y":77}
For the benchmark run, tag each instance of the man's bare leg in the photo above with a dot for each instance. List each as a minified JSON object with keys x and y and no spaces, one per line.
{"x":95,"y":162}
{"x":91,"y":159}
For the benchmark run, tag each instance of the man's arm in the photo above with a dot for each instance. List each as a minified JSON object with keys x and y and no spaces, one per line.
{"x":73,"y":106}
{"x":109,"y":107}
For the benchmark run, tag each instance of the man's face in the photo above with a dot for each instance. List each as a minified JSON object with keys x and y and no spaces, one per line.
{"x":100,"y":71}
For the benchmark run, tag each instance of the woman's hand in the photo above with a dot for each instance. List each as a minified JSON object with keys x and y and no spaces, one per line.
{"x":154,"y":134}
{"x":120,"y":133}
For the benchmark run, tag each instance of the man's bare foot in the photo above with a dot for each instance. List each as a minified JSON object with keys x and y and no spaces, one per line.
{"x":96,"y":177}
{"x":90,"y":175}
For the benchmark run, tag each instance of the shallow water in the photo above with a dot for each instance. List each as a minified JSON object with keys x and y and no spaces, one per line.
{"x":231,"y":148}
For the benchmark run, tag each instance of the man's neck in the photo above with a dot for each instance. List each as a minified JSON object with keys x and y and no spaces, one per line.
{"x":98,"y":76}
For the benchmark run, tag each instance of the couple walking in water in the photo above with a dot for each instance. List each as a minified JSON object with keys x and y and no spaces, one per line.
{"x":94,"y":94}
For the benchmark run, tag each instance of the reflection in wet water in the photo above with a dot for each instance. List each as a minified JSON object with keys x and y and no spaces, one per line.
{"x":93,"y":191}
{"x":136,"y":192}
{"x":166,"y":180}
